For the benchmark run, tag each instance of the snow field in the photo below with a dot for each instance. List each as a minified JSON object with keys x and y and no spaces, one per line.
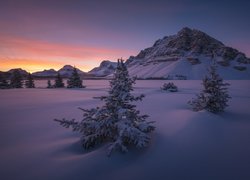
{"x":185,"y":144}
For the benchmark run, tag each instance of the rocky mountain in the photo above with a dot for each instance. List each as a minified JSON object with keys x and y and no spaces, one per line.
{"x":45,"y":73}
{"x":186,"y":55}
{"x":106,"y":68}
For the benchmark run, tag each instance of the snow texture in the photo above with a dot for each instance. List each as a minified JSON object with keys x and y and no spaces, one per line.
{"x":214,"y":97}
{"x":106,"y":68}
{"x":169,"y":87}
{"x":187,"y":55}
{"x":118,"y":121}
{"x":186,"y":144}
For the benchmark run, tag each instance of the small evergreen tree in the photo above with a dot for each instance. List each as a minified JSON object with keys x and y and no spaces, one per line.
{"x":75,"y":80}
{"x":4,"y":83}
{"x":49,"y":84}
{"x":16,"y":80}
{"x":117,"y":121}
{"x":58,"y":81}
{"x":214,"y":96}
{"x":29,"y":83}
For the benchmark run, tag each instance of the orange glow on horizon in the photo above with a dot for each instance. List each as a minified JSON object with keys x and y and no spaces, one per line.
{"x":33,"y":55}
{"x":33,"y":65}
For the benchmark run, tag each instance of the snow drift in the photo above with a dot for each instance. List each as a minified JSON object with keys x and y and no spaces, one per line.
{"x":185,"y":145}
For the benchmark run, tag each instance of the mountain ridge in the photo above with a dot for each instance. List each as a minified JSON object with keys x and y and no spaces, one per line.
{"x":184,"y":55}
{"x":187,"y":54}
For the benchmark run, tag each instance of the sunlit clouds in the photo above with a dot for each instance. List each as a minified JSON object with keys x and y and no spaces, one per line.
{"x":36,"y":55}
{"x":38,"y":34}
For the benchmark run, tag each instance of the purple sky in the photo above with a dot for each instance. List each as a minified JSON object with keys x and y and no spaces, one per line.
{"x":38,"y":34}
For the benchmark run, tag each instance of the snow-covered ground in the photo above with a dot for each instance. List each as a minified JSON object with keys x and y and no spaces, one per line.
{"x":186,"y":145}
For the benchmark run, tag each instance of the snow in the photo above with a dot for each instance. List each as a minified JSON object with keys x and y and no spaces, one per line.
{"x":188,"y":53}
{"x":185,"y":68}
{"x":104,"y":69}
{"x":185,"y":144}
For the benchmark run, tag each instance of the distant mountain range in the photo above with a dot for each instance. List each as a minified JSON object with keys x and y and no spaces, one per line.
{"x":106,"y":68}
{"x":185,"y":55}
{"x":65,"y":71}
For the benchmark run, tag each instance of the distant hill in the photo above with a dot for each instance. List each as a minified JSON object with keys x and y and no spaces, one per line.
{"x":65,"y":72}
{"x":45,"y":73}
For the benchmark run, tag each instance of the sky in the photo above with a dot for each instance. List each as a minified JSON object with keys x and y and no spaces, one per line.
{"x":44,"y":34}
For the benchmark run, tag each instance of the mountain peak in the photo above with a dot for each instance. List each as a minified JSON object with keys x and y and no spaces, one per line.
{"x":67,"y":70}
{"x":106,"y":68}
{"x":185,"y":30}
{"x":186,"y":42}
{"x":67,"y":67}
{"x":189,"y":47}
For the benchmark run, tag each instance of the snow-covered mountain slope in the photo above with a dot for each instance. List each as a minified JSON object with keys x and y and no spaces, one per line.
{"x":106,"y":68}
{"x":67,"y":70}
{"x":187,"y":55}
{"x":45,"y":73}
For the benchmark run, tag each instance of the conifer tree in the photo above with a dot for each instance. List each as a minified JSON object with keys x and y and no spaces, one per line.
{"x":4,"y":83}
{"x":214,"y":96}
{"x":16,"y":80}
{"x":117,"y":121}
{"x":58,"y":81}
{"x":49,"y":84}
{"x":75,"y":80}
{"x":29,"y":83}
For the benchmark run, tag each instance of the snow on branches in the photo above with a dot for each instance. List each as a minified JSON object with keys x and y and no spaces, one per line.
{"x":214,"y":96}
{"x":117,"y":121}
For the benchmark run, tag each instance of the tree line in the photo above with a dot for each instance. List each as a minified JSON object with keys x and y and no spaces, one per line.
{"x":17,"y":81}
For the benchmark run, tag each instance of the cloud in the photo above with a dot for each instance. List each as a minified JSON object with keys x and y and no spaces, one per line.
{"x":28,"y":52}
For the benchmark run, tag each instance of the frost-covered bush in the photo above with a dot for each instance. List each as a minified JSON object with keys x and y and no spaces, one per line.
{"x":214,"y":96}
{"x":169,"y":87}
{"x":117,"y":121}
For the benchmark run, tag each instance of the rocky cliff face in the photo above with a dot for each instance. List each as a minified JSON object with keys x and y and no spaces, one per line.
{"x":191,"y":47}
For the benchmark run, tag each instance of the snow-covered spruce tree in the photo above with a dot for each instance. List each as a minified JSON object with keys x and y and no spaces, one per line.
{"x":75,"y":80}
{"x":58,"y":81}
{"x":117,"y":121}
{"x":16,"y":80}
{"x":49,"y":84}
{"x":214,"y":96}
{"x":29,"y":83}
